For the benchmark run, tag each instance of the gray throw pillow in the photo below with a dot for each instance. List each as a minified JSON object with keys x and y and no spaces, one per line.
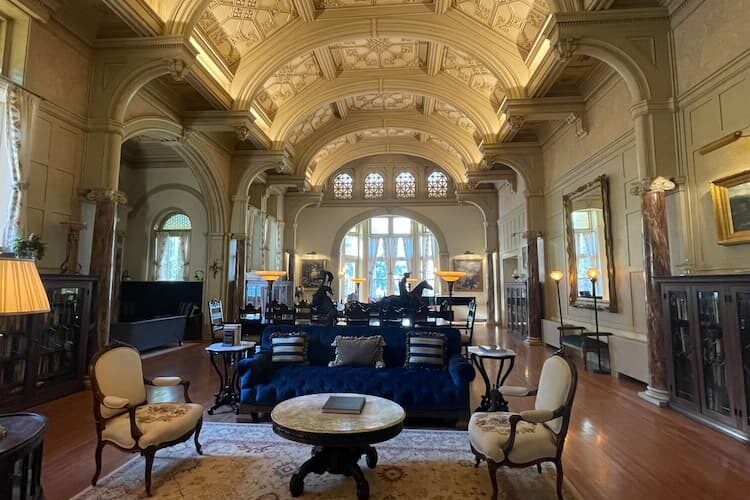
{"x":359,"y":351}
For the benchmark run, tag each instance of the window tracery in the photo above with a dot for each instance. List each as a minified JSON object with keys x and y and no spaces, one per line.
{"x":406,"y":185}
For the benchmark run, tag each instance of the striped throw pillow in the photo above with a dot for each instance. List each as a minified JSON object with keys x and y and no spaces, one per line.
{"x":289,"y":347}
{"x":426,"y":350}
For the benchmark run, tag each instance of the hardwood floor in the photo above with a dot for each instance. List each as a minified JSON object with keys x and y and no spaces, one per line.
{"x":618,"y":446}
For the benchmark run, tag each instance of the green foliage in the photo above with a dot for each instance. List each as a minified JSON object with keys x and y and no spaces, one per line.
{"x":29,"y":247}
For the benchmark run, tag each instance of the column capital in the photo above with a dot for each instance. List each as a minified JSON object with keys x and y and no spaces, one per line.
{"x":651,"y":106}
{"x":98,"y":195}
{"x":652,"y":184}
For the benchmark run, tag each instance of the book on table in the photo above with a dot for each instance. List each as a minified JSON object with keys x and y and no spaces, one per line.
{"x":492,"y":349}
{"x":349,"y":405}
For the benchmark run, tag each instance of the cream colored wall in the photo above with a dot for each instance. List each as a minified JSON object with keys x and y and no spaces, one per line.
{"x":57,"y":68}
{"x":152,"y":193}
{"x":460,"y":224}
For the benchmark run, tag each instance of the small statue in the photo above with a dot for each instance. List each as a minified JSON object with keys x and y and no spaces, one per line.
{"x":323,"y":301}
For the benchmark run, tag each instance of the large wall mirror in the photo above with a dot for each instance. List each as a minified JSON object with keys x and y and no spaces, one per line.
{"x":589,"y":245}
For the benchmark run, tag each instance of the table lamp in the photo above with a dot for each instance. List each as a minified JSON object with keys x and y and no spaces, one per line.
{"x":450,"y":277}
{"x":270,"y":277}
{"x":21,"y":292}
{"x":357,"y":282}
{"x":556,"y":277}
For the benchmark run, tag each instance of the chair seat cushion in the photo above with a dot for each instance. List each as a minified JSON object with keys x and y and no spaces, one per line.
{"x":159,"y":423}
{"x":488,"y":432}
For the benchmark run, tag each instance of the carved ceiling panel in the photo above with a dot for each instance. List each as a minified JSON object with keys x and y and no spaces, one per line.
{"x":518,"y":20}
{"x":287,"y":82}
{"x":443,"y":145}
{"x":330,"y":148}
{"x":236,"y":26}
{"x":382,"y":101}
{"x":473,"y":73}
{"x":378,"y":53}
{"x":311,"y":123}
{"x":456,"y":116}
{"x":332,"y":4}
{"x":380,"y":133}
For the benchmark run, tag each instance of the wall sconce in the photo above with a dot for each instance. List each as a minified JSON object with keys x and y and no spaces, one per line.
{"x":215,"y":268}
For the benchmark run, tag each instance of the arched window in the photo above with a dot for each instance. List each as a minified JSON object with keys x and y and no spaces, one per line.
{"x":437,"y":185}
{"x":382,"y":249}
{"x":374,"y":185}
{"x":406,"y":185}
{"x":343,"y":186}
{"x":172,"y":248}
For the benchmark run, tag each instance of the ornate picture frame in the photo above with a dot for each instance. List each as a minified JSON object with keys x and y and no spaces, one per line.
{"x":309,"y":269}
{"x":731,"y":200}
{"x":474,"y":269}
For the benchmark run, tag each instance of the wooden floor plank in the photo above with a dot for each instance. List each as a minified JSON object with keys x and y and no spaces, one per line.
{"x":618,"y":447}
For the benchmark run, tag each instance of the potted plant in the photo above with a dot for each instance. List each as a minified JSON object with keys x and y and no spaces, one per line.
{"x":29,"y":247}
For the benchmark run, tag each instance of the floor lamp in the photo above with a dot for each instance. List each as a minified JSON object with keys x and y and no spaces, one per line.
{"x":357,"y":282}
{"x":593,"y":275}
{"x":21,"y":292}
{"x":270,"y":277}
{"x":557,"y":276}
{"x":450,"y":277}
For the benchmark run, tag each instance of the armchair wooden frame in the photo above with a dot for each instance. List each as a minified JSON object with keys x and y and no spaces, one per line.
{"x":149,"y":452}
{"x":535,"y":417}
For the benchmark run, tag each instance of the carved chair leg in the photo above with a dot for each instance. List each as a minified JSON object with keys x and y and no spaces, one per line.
{"x":539,"y":468}
{"x":492,"y":468}
{"x":254,"y":417}
{"x":559,"y":467}
{"x":477,"y":456}
{"x":149,"y":455}
{"x":98,"y":459}
{"x":198,"y":446}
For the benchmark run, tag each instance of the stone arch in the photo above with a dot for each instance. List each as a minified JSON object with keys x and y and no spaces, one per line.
{"x":185,"y":16}
{"x":131,"y":84}
{"x":215,"y":201}
{"x":138,"y":204}
{"x":628,"y":69}
{"x":451,"y":165}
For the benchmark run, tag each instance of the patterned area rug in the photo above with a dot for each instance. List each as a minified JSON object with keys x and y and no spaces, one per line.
{"x":250,"y":462}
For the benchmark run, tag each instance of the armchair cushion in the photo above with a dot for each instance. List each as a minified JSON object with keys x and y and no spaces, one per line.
{"x":115,"y":403}
{"x":166,"y":381}
{"x":159,"y":423}
{"x":515,"y":390}
{"x":537,"y":416}
{"x":488,"y":432}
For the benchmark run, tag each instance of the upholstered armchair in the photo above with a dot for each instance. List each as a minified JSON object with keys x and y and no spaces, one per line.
{"x":126,"y":420}
{"x":530,"y":437}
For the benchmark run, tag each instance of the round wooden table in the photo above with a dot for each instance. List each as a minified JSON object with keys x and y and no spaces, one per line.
{"x":229,"y":390}
{"x":338,"y":440}
{"x":22,"y":446}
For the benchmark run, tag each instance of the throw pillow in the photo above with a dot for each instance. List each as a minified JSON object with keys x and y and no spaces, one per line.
{"x":426,"y":350}
{"x":359,"y":351}
{"x":289,"y":347}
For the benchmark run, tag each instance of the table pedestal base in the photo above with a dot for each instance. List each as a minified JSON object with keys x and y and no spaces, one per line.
{"x":494,"y":402}
{"x":336,"y":460}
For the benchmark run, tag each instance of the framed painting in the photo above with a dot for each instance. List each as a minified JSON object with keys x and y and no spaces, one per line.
{"x":473,"y":281}
{"x":309,"y":272}
{"x":731,"y":200}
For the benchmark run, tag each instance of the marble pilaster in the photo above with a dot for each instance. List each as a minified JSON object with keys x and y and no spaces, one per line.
{"x":534,"y":290}
{"x":656,"y":263}
{"x":238,"y":288}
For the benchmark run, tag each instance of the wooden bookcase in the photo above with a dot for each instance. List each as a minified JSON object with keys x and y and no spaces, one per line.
{"x":707,"y":321}
{"x":517,"y":308}
{"x":44,"y":356}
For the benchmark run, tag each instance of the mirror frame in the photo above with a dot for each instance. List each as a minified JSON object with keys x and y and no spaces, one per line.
{"x":575,"y":301}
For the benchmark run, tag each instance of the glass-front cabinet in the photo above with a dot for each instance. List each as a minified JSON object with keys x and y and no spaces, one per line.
{"x":707,"y":321}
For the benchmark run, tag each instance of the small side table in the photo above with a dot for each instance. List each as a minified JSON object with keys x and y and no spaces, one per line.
{"x":229,"y":391}
{"x":21,"y":456}
{"x":562,"y":333}
{"x":590,"y":344}
{"x":493,"y":400}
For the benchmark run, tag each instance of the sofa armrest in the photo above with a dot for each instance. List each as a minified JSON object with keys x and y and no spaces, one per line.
{"x":461,"y":370}
{"x":254,"y":367}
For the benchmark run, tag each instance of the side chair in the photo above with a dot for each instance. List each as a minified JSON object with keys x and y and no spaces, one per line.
{"x":124,"y":417}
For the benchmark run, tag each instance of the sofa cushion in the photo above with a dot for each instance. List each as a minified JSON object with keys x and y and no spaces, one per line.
{"x":358,"y":351}
{"x":425,"y":349}
{"x":289,"y":347}
{"x":421,"y":390}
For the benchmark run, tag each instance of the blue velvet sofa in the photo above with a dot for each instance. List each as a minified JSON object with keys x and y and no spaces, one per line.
{"x":423,"y":393}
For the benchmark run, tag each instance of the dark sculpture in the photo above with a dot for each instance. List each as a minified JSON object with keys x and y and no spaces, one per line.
{"x":408,"y":300}
{"x":322,"y":300}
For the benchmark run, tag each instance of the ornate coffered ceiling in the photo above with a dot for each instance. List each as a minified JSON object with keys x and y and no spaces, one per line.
{"x":288,"y":81}
{"x":333,"y":4}
{"x":383,"y":101}
{"x":311,"y":123}
{"x":455,"y":116}
{"x":472,"y":73}
{"x":378,"y":53}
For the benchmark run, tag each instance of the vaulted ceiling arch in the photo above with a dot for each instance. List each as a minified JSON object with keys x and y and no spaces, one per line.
{"x":442,"y":87}
{"x":356,"y":127}
{"x":350,"y":152}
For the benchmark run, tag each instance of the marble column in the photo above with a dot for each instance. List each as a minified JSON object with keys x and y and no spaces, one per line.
{"x":71,"y":265}
{"x":240,"y":269}
{"x":491,"y":304}
{"x":656,"y":264}
{"x":534,"y":290}
{"x":103,"y":258}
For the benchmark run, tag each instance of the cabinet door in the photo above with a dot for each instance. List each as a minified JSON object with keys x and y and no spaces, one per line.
{"x":739,"y":307}
{"x":717,"y":398}
{"x":683,"y":382}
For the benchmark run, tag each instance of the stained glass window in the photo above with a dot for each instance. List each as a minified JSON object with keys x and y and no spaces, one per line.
{"x":406,"y":185}
{"x":437,"y":185}
{"x":374,"y":185}
{"x":342,"y":187}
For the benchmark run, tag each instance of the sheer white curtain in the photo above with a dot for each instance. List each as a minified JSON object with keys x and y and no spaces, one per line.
{"x":17,"y":118}
{"x":372,"y":252}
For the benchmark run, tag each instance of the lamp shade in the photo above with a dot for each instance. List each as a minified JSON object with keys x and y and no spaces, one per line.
{"x":593,"y":274}
{"x":358,"y":281}
{"x":271,"y":275}
{"x":411,"y":281}
{"x":21,"y":288}
{"x":451,"y":276}
{"x":556,"y":275}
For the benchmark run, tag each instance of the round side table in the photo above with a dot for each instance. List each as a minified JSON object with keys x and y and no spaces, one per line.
{"x":229,"y":390}
{"x":493,"y":400}
{"x":21,"y":456}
